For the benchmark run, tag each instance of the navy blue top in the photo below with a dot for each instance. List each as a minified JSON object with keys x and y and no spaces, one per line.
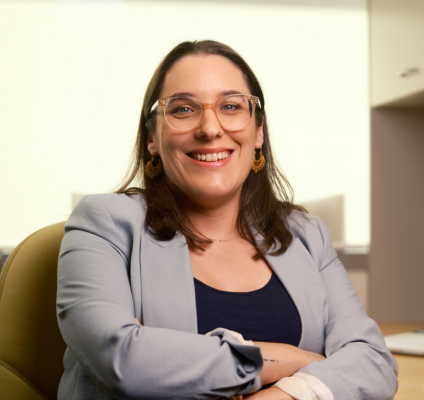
{"x":266,"y":315}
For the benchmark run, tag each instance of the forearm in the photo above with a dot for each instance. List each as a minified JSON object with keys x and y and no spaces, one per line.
{"x":280,"y":360}
{"x":283,"y":360}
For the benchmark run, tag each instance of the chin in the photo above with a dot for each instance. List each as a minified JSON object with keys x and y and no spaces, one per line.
{"x":211,"y":194}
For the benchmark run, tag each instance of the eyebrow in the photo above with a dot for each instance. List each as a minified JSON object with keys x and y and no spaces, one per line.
{"x":182,"y":94}
{"x":220,"y":94}
{"x":229,"y":92}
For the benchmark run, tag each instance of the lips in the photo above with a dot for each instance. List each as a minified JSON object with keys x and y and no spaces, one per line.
{"x":210,"y":157}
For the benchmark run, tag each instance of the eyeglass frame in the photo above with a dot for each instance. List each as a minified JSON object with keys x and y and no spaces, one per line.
{"x":254,"y":100}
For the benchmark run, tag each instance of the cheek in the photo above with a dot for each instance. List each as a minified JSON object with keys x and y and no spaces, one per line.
{"x":247,"y":143}
{"x":170,"y":152}
{"x":168,"y":148}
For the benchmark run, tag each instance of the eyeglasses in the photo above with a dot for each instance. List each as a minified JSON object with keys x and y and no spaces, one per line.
{"x":233,"y":112}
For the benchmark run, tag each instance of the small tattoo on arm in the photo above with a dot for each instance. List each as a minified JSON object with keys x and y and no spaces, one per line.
{"x":265,"y":359}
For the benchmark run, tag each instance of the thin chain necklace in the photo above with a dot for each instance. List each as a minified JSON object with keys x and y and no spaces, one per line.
{"x":223,"y":240}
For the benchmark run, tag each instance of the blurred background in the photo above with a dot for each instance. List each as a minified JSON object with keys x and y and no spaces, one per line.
{"x":73,"y":75}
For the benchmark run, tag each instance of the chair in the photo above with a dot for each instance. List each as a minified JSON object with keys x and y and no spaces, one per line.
{"x":31,"y":346}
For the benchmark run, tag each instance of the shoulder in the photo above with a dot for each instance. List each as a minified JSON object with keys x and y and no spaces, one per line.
{"x":314,"y":236}
{"x":118,"y":207}
{"x":116,"y":218}
{"x":112,"y":202}
{"x":302,"y":224}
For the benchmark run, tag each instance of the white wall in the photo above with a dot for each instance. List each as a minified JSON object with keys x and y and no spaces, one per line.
{"x":73,"y":74}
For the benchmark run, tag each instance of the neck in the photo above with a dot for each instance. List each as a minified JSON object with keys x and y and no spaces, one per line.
{"x":217,"y":222}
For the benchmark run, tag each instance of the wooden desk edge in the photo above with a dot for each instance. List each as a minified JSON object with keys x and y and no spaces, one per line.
{"x":411,"y":368}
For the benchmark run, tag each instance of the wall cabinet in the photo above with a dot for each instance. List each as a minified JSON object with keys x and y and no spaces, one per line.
{"x":396,"y":260}
{"x":397,"y":52}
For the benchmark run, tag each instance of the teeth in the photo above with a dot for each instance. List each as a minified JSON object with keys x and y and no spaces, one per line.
{"x":211,"y":157}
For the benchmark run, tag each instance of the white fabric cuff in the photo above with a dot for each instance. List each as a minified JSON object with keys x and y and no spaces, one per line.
{"x":236,"y":336}
{"x":303,"y":386}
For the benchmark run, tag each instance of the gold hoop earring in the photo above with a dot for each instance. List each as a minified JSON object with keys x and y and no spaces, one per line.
{"x":151,"y":170}
{"x":257,"y":165}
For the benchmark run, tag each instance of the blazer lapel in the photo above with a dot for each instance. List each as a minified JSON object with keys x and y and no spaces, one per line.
{"x":297,"y":271}
{"x":168,"y":297}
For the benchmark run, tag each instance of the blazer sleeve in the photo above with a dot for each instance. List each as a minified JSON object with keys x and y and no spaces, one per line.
{"x":358,"y":365}
{"x":123,"y":358}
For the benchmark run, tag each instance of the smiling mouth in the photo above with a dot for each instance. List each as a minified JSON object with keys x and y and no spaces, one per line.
{"x":210,"y":157}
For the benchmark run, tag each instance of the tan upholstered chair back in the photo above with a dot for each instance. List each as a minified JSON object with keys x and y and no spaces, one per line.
{"x":31,"y":347}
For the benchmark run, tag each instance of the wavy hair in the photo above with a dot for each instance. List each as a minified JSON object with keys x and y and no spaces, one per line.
{"x":266,"y":199}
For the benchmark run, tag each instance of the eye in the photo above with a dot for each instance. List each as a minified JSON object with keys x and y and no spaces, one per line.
{"x":230,"y":107}
{"x":182,"y":110}
{"x":180,"y":107}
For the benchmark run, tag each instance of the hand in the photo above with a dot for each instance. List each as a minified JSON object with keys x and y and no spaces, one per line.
{"x":282,"y":360}
{"x":272,"y":393}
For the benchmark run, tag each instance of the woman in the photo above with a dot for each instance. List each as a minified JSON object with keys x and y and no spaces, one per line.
{"x":146,"y":274}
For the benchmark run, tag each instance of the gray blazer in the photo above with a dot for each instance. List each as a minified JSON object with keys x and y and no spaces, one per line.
{"x":111,"y":270}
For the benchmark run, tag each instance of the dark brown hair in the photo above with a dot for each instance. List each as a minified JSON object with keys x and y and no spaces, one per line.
{"x":266,"y":199}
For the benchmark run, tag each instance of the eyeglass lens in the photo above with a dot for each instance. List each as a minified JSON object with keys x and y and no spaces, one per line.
{"x":184,"y":113}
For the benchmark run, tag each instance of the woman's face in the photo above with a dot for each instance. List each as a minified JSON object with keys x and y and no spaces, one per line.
{"x":206,"y":78}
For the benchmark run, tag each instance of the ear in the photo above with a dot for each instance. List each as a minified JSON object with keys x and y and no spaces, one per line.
{"x":259,"y":136}
{"x":151,"y":143}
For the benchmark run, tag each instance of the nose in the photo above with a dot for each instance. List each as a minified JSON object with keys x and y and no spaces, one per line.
{"x":209,"y":126}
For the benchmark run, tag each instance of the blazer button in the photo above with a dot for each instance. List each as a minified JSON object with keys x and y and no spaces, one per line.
{"x":249,"y":366}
